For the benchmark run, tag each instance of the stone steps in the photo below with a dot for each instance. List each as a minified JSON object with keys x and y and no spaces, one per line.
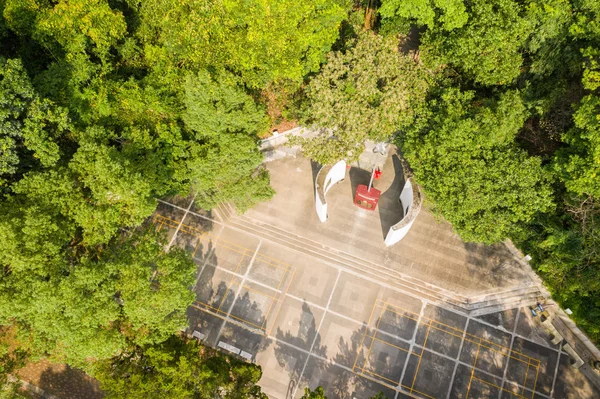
{"x":517,"y":298}
{"x":524,"y":295}
{"x":416,"y":243}
{"x":423,"y":236}
{"x":330,"y":255}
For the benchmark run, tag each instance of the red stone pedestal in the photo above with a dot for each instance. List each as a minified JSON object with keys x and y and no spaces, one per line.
{"x":365,"y":198}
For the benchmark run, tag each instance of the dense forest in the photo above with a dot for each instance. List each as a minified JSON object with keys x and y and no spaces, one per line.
{"x":107,"y":105}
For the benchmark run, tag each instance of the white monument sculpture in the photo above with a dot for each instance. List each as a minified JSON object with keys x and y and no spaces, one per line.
{"x":410,"y":198}
{"x":327,"y":177}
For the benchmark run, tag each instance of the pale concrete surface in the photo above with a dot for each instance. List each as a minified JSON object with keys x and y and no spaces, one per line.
{"x":309,"y":320}
{"x":431,"y":251}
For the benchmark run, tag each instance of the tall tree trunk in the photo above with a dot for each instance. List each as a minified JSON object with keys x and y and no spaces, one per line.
{"x":370,"y":15}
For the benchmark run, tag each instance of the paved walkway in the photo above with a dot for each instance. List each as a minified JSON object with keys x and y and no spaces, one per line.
{"x":431,"y":252}
{"x":312,"y":314}
{"x":328,"y":304}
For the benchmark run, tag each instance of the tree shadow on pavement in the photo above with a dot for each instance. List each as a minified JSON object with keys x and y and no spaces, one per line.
{"x":306,"y":338}
{"x":66,"y":382}
{"x":314,"y":167}
{"x":339,"y":382}
{"x":216,"y":292}
{"x":390,"y":208}
{"x":358,"y":176}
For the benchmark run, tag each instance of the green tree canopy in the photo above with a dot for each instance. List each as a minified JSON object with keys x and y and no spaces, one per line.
{"x":579,"y":163}
{"x":99,"y":117}
{"x":444,"y":14}
{"x":89,"y":307}
{"x":317,"y":393}
{"x":493,"y":55}
{"x":177,"y":368}
{"x":470,"y":168}
{"x":224,"y":162}
{"x":369,"y":92}
{"x":262,"y":41}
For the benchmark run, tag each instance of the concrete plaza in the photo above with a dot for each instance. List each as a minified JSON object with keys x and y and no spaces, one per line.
{"x":328,"y":304}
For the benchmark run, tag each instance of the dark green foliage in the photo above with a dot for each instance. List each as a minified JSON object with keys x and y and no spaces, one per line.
{"x":88,"y":305}
{"x":578,"y":165}
{"x":218,"y":106}
{"x":490,"y":57}
{"x":368,"y":92}
{"x":268,"y":41}
{"x":29,"y":125}
{"x":470,"y":168}
{"x":564,"y":247}
{"x":97,"y":120}
{"x":224,"y":162}
{"x":445,"y":14}
{"x":105,"y":107}
{"x":178,"y":369}
{"x":498,"y":164}
{"x":317,"y":393}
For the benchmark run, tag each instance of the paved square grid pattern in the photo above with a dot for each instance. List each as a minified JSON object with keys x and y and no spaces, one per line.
{"x":309,"y":323}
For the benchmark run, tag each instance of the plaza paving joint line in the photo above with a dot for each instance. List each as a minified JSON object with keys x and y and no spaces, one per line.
{"x":181,"y":222}
{"x":512,"y":342}
{"x":317,"y":332}
{"x":412,"y":342}
{"x":239,"y":289}
{"x":462,"y":341}
{"x":560,"y":354}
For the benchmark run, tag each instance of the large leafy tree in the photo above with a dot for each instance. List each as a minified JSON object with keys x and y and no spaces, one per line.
{"x":489,"y":42}
{"x":549,"y":50}
{"x":223,"y":161}
{"x":564,"y":246}
{"x":263,"y":41}
{"x":89,"y":306}
{"x":317,"y":393}
{"x":179,"y":369}
{"x":369,"y":92}
{"x":487,"y":49}
{"x":470,"y":167}
{"x":579,"y":163}
{"x":29,"y":125}
{"x":445,"y":14}
{"x":95,"y":124}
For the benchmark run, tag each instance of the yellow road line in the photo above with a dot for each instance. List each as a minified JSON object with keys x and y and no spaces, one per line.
{"x":230,"y":282}
{"x":537,"y":369}
{"x":377,"y":375}
{"x":282,"y":298}
{"x":502,"y":389}
{"x":372,"y":342}
{"x":274,"y":259}
{"x":364,"y":336}
{"x":247,"y":322}
{"x":392,"y":345}
{"x":525,"y":380}
{"x":420,"y":358}
{"x":472,"y":372}
{"x":202,"y":308}
{"x":456,"y":329}
{"x":254,"y":290}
